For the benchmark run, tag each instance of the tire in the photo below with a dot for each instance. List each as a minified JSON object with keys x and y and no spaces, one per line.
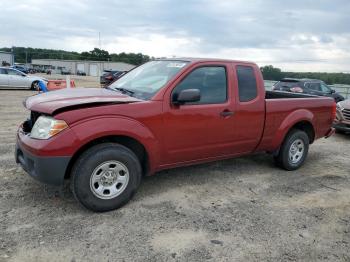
{"x":293,"y":151}
{"x":105,"y":177}
{"x":35,"y":86}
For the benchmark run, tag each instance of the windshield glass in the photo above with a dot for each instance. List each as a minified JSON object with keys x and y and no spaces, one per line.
{"x":147,"y":79}
{"x":289,"y":84}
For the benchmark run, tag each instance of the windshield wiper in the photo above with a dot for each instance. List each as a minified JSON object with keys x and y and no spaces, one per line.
{"x":124,"y":90}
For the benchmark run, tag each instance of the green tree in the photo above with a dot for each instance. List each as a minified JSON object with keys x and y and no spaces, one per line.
{"x":26,"y":54}
{"x":271,"y":73}
{"x":132,"y":58}
{"x":96,"y":54}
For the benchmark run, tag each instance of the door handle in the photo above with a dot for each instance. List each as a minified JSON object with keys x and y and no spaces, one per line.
{"x":226,"y":113}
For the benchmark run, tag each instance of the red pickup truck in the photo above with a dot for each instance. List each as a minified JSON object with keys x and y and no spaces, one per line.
{"x":164,"y":114}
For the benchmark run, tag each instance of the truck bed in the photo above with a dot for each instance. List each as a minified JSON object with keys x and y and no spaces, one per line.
{"x":283,"y":107}
{"x":281,"y":95}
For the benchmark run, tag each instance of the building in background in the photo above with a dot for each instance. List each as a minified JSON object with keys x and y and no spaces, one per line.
{"x":6,"y":58}
{"x":92,"y":68}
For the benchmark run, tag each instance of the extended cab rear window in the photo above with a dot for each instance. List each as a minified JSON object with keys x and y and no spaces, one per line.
{"x":246,"y":83}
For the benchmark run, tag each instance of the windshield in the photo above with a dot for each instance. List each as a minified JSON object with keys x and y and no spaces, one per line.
{"x":146,"y":80}
{"x":289,"y":84}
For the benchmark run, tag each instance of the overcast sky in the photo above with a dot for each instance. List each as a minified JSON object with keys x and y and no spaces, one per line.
{"x":296,"y":35}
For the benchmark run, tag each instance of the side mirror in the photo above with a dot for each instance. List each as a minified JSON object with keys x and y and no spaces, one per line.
{"x":187,"y":96}
{"x":332,"y":91}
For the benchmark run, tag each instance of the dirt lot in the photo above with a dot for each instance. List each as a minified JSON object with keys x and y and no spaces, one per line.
{"x":243,"y":209}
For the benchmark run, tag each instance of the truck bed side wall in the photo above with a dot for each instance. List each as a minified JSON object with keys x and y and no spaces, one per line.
{"x":283,"y":114}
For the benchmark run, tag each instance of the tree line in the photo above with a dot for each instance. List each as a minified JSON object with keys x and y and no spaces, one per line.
{"x":26,"y":54}
{"x":273,"y":73}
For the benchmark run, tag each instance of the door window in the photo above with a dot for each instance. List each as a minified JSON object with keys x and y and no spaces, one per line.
{"x":14,"y":72}
{"x":314,"y":86}
{"x":211,"y":82}
{"x":3,"y":71}
{"x":325,"y":88}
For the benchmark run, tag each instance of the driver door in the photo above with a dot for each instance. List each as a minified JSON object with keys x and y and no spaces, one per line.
{"x":203,"y":129}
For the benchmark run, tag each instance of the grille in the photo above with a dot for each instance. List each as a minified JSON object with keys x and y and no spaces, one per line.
{"x":346,"y":114}
{"x":29,"y":123}
{"x":33,"y":117}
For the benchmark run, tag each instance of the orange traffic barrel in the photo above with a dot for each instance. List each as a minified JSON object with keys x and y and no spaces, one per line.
{"x":58,"y":84}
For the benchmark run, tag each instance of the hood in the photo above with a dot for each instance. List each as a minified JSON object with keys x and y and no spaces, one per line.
{"x":53,"y":101}
{"x":36,"y":78}
{"x":345,"y":104}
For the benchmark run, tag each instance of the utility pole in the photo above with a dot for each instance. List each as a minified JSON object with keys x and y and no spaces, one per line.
{"x":13,"y":54}
{"x":26,"y":57}
{"x":99,"y":39}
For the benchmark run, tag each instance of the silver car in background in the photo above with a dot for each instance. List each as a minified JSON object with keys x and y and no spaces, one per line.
{"x":13,"y":78}
{"x":342,"y":121}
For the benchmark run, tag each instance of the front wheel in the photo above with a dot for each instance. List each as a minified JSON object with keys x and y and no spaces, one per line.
{"x":105,"y":177}
{"x":293,"y":151}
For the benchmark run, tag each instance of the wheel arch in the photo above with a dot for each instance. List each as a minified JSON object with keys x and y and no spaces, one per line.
{"x":303,"y":125}
{"x":307,"y":127}
{"x":133,"y":144}
{"x":301,"y":119}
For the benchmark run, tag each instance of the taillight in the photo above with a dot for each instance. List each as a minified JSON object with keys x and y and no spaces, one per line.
{"x":334,"y":111}
{"x":296,"y":89}
{"x":109,"y":77}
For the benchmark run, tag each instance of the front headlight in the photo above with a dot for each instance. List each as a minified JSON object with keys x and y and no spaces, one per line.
{"x":46,"y":127}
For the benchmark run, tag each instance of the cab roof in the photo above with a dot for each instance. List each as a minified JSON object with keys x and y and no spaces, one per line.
{"x":198,"y":60}
{"x":300,"y":80}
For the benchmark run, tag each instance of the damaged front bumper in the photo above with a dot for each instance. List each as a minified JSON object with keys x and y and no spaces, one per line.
{"x":44,"y":168}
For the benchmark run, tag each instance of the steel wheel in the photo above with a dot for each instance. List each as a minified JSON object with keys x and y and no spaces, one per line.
{"x":296,"y":151}
{"x":109,"y":179}
{"x":293,"y":150}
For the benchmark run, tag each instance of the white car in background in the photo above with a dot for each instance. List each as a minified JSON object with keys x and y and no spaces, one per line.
{"x":12,"y":78}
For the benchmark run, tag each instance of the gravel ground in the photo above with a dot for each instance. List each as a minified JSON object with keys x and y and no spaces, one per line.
{"x":242,"y":209}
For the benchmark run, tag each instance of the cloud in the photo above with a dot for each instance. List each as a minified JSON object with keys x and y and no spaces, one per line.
{"x":296,"y":35}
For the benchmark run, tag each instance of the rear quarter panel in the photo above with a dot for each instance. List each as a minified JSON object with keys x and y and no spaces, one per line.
{"x":283,"y":114}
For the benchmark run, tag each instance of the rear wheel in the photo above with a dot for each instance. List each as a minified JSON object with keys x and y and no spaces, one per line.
{"x":105,"y":177}
{"x":293,"y":151}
